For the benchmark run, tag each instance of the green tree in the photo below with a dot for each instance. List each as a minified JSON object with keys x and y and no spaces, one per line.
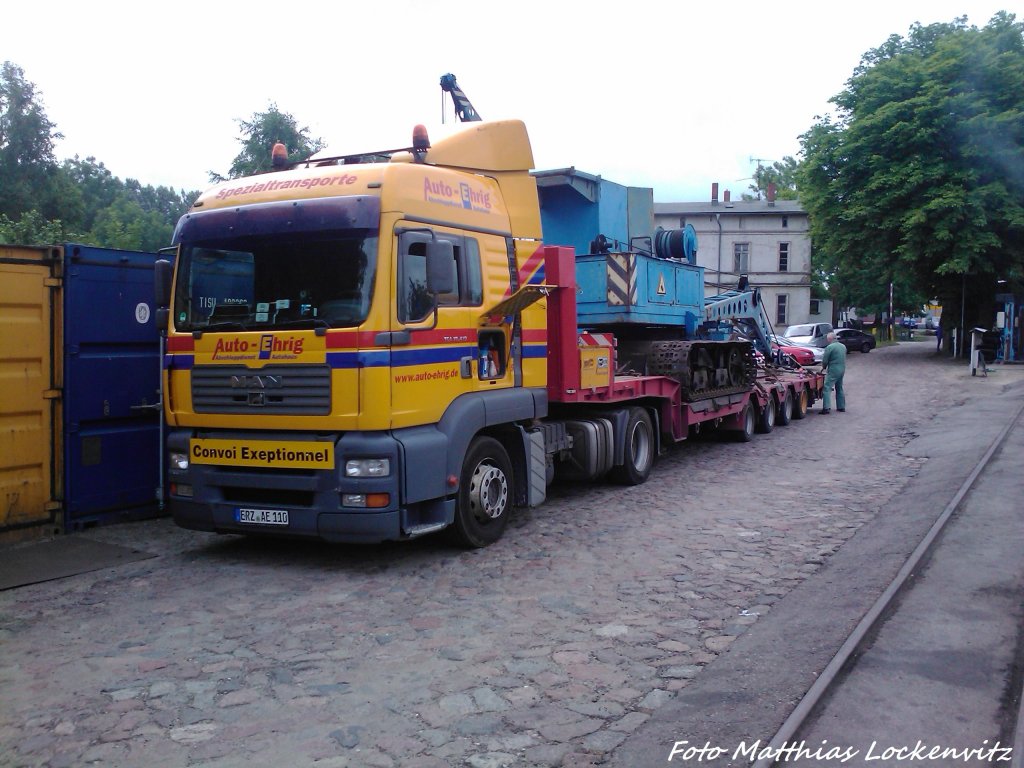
{"x":32,"y":229}
{"x":93,"y":205}
{"x":118,"y":214}
{"x":783,"y":174}
{"x":88,"y":187}
{"x":125,"y":224}
{"x":919,"y":180}
{"x":27,"y":164}
{"x":259,"y":135}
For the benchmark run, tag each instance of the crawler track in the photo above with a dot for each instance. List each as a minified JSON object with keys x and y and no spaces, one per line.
{"x":704,"y":368}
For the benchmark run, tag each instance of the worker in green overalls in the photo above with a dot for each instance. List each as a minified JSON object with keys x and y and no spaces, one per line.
{"x":833,"y":363}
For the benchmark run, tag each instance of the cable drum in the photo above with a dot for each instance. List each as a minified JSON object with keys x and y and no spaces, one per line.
{"x":680,"y":244}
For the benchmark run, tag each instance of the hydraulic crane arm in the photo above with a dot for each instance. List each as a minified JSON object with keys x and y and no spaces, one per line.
{"x":463,"y":108}
{"x":745,"y":310}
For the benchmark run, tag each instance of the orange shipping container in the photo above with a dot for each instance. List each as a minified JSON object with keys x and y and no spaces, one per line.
{"x":30,"y":376}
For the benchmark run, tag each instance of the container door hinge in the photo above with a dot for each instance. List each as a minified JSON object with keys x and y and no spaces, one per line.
{"x":53,"y":282}
{"x":53,"y":394}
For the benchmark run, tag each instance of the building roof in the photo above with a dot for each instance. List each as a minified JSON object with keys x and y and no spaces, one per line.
{"x":733,"y":207}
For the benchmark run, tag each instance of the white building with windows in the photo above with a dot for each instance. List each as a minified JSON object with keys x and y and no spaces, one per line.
{"x":767,"y":240}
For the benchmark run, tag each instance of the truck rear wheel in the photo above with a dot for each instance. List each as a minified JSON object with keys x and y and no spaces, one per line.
{"x":639,"y":450}
{"x":800,"y":404}
{"x":747,"y":423}
{"x":786,"y":408}
{"x":485,"y":494}
{"x":766,"y":420}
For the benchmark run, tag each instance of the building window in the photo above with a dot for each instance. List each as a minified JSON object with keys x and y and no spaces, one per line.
{"x":783,"y":257}
{"x":780,"y":309}
{"x":785,"y":222}
{"x":741,"y":258}
{"x":815,"y":307}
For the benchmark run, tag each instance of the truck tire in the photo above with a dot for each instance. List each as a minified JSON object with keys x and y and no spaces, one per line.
{"x":485,"y":494}
{"x":766,"y":419}
{"x":748,"y":423}
{"x":800,"y":404}
{"x":786,"y":408}
{"x":639,"y":455}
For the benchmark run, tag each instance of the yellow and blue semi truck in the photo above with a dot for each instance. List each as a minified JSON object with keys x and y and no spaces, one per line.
{"x":368,"y":351}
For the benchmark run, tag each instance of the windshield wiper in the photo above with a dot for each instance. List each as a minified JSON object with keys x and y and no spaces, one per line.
{"x":233,"y":325}
{"x":300,"y":322}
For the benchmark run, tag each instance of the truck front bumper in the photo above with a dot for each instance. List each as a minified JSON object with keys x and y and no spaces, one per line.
{"x":299,"y":502}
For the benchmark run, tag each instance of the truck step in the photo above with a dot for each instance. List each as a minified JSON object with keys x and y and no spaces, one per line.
{"x":422,"y":530}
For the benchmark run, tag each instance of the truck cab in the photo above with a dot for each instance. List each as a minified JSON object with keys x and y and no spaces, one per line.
{"x":331,"y":347}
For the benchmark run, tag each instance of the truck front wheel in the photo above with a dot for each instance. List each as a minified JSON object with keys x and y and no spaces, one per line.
{"x":485,"y":494}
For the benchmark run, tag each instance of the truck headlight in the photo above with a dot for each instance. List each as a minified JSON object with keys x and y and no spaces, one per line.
{"x":367,"y":467}
{"x":179,"y":461}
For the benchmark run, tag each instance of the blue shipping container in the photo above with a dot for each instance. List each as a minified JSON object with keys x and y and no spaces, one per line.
{"x":111,"y":383}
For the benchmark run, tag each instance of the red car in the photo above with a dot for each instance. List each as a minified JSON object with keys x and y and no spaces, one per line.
{"x":802,"y":355}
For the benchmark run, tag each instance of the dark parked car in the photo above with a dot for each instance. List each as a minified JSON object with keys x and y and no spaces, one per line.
{"x":853,"y":339}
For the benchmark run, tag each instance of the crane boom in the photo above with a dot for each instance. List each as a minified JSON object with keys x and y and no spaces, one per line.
{"x":745,"y":310}
{"x":463,"y":108}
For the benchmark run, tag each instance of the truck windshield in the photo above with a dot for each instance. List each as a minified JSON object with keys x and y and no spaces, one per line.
{"x":276,"y":282}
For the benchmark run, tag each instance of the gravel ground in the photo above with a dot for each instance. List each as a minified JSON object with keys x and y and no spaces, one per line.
{"x":546,"y":649}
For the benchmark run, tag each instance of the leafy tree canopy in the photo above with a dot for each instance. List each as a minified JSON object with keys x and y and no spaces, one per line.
{"x":44,"y":203}
{"x":26,"y":144}
{"x":259,"y":134}
{"x":919,"y":179}
{"x":32,"y":229}
{"x":783,"y":174}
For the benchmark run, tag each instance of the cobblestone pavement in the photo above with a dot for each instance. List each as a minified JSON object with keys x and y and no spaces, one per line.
{"x":546,"y":649}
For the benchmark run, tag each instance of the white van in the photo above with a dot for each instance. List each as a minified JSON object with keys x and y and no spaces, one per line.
{"x":809,"y":334}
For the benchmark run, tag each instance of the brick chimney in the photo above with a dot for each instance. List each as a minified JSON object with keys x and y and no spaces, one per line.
{"x":714,"y":193}
{"x":771,"y":193}
{"x":727,"y":197}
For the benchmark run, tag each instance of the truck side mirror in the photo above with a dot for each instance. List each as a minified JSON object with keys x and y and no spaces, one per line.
{"x":440,"y":259}
{"x":162,"y":275}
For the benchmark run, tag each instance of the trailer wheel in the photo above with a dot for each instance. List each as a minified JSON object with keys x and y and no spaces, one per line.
{"x":485,"y":494}
{"x":766,"y":419}
{"x":800,"y":406}
{"x":748,"y":423}
{"x":639,"y":453}
{"x":786,"y":408}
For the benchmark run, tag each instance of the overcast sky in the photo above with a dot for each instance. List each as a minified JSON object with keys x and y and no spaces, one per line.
{"x":669,"y":95}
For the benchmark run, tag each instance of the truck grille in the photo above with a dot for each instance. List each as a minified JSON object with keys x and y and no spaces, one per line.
{"x":283,"y":389}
